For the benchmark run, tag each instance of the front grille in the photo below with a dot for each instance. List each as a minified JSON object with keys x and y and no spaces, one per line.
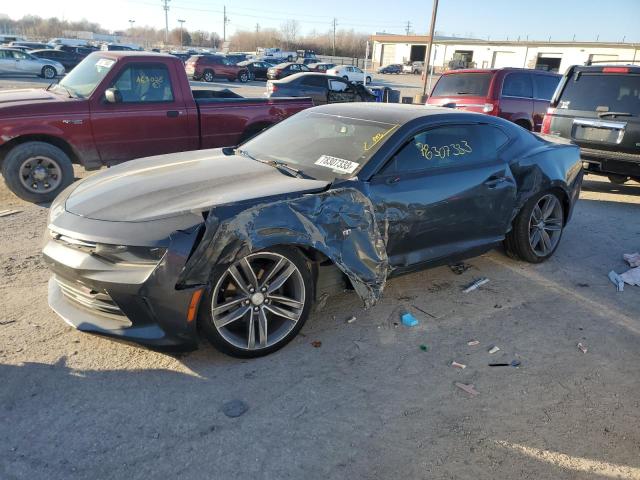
{"x":97,"y":301}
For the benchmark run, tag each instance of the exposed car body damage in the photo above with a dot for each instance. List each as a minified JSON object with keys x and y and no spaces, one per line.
{"x":210,"y":210}
{"x":340,"y":224}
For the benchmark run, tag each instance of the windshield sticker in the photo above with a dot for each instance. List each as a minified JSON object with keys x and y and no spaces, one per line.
{"x":105,"y":63}
{"x":444,"y":151}
{"x":337,"y":164}
{"x":564,"y":104}
{"x":377,"y":138}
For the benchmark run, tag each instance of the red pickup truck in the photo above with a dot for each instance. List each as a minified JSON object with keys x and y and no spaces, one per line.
{"x":114,"y":107}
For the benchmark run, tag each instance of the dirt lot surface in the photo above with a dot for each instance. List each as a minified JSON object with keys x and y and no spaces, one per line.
{"x":369,"y":403}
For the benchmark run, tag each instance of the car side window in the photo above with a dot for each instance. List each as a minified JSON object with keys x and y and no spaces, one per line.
{"x":517,"y":85}
{"x":304,"y":68}
{"x":20,"y":55}
{"x":144,"y":84}
{"x":337,"y":85}
{"x":5,"y":55}
{"x":545,"y":86}
{"x":447,"y":146}
{"x":314,"y":81}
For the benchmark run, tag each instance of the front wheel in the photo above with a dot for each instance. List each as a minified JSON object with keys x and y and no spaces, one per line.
{"x":208,"y":76}
{"x":537,"y":229}
{"x":368,"y":79}
{"x":259,"y":303}
{"x":37,"y":171}
{"x":243,"y":77}
{"x":618,"y":179}
{"x":48,"y":72}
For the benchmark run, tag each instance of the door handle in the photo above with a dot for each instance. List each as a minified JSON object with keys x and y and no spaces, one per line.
{"x":494,"y":180}
{"x":173,"y":113}
{"x":392,"y":180}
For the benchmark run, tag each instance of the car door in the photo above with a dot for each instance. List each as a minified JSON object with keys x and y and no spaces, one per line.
{"x":358,"y":75}
{"x":314,"y":86}
{"x":7,"y":62}
{"x":544,"y":86}
{"x":25,"y":63}
{"x":445,"y":192}
{"x":516,"y":99}
{"x":149,"y":119}
{"x":338,"y":91}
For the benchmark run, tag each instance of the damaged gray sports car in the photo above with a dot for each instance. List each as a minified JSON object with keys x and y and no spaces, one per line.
{"x":232,"y":242}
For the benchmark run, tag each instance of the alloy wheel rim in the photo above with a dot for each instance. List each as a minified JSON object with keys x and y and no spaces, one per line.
{"x":545,"y":225}
{"x":258,"y":301}
{"x":40,"y":174}
{"x":49,"y":72}
{"x":208,"y":76}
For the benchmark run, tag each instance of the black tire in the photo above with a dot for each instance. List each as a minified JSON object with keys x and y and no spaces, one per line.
{"x":517,"y":243}
{"x":205,"y":318}
{"x":19,"y":154}
{"x":618,"y":179}
{"x":243,"y":77}
{"x":368,"y":79}
{"x":208,"y":75}
{"x":48,"y":72}
{"x":289,"y":58}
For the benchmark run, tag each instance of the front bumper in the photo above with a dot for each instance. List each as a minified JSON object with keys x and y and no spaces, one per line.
{"x":140,"y":303}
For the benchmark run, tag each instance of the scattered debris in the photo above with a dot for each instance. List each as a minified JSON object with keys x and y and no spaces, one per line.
{"x":351,"y":320}
{"x":234,"y":408}
{"x":633,"y":259}
{"x":497,"y":305}
{"x":476,"y":284}
{"x":7,"y":322}
{"x":409,"y":320}
{"x":583,"y":285}
{"x":322,"y":301}
{"x":616,"y":280}
{"x":459,"y":268}
{"x":423,"y":311}
{"x":424,"y":348}
{"x":316,"y":343}
{"x":514,"y":363}
{"x":461,"y":366}
{"x":6,"y":213}
{"x":582,"y":347}
{"x":631,"y":277}
{"x":473,"y":343}
{"x":494,"y":349}
{"x":470,"y":389}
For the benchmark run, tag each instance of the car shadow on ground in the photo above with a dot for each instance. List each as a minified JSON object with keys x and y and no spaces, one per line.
{"x":629,"y":188}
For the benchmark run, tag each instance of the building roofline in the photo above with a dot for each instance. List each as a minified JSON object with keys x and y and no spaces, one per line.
{"x":419,"y":39}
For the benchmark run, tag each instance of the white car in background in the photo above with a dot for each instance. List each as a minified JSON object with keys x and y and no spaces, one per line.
{"x":349,"y":72}
{"x":17,"y":62}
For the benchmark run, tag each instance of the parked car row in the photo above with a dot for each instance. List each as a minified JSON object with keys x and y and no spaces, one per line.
{"x":321,"y":88}
{"x":18,"y":62}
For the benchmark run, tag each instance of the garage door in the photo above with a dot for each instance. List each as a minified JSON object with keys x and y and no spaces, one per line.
{"x":503,"y":59}
{"x":388,"y":54}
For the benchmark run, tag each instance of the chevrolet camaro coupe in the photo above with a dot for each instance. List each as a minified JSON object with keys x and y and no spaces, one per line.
{"x":230,"y":243}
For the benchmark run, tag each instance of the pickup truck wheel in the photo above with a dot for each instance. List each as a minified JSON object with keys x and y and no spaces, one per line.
{"x":208,"y":75}
{"x":618,"y":179}
{"x":257,"y":304}
{"x":37,"y":171}
{"x":243,"y":77}
{"x":48,"y":72}
{"x":537,"y":228}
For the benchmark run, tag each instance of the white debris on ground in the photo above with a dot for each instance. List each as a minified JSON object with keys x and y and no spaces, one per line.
{"x":631,"y":276}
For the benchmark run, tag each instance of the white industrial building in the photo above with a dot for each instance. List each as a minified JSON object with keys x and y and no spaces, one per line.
{"x":472,"y":53}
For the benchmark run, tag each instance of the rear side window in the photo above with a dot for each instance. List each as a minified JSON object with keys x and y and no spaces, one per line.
{"x":545,"y":86}
{"x":517,"y":85}
{"x":472,"y":84}
{"x":448,"y":146}
{"x":144,"y":84}
{"x":314,"y":81}
{"x":604,"y":92}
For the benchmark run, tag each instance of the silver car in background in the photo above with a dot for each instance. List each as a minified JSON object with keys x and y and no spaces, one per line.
{"x":17,"y":62}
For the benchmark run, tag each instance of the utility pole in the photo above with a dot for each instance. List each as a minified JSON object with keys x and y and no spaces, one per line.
{"x":165,"y":6}
{"x":181,"y":22}
{"x":335,"y":22}
{"x":131,"y":22}
{"x":225,"y":20}
{"x":427,"y":58}
{"x":408,"y":27}
{"x":257,"y":33}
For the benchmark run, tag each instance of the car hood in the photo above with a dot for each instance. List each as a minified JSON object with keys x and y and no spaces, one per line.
{"x":28,"y":100}
{"x":170,"y":185}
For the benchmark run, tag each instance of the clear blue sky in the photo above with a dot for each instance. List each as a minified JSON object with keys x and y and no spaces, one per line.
{"x":560,"y":19}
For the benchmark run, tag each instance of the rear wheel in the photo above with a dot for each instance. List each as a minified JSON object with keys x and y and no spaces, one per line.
{"x":618,"y":179}
{"x":259,"y":303}
{"x":345,"y":77}
{"x":208,"y":75}
{"x":37,"y":171}
{"x":368,"y":79}
{"x":537,"y":229}
{"x":48,"y":72}
{"x":243,"y":77}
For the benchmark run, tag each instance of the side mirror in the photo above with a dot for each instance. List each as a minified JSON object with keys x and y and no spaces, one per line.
{"x":112,"y":95}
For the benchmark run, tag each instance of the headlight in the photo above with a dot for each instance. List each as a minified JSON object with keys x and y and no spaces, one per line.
{"x":131,"y":255}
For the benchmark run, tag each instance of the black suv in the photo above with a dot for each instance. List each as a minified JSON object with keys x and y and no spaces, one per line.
{"x":598,"y":108}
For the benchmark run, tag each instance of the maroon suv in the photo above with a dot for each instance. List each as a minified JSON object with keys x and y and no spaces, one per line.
{"x":208,"y":67}
{"x":516,"y":94}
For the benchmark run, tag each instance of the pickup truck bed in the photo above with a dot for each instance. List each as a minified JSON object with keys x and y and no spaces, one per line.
{"x":117,"y":106}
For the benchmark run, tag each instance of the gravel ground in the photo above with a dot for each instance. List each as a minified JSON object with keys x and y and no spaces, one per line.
{"x":369,"y":403}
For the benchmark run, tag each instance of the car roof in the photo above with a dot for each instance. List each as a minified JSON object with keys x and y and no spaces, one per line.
{"x":296,"y":76}
{"x":116,"y":54}
{"x":496,"y":70}
{"x":598,"y":68}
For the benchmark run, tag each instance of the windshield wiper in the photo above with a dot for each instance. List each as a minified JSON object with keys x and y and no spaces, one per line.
{"x":273,"y":163}
{"x":614,"y":114}
{"x":65,"y":88}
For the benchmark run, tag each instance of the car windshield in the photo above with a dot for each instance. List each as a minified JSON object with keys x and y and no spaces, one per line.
{"x":84,"y":78}
{"x":602,"y":92}
{"x":455,"y":84}
{"x":321,"y":146}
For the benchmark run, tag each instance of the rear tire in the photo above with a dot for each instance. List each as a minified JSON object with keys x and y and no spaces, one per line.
{"x":208,"y":75}
{"x":537,"y":229}
{"x":618,"y":179}
{"x":243,"y":77}
{"x":233,"y":338}
{"x":37,"y":171}
{"x":48,"y":72}
{"x":368,"y":79}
